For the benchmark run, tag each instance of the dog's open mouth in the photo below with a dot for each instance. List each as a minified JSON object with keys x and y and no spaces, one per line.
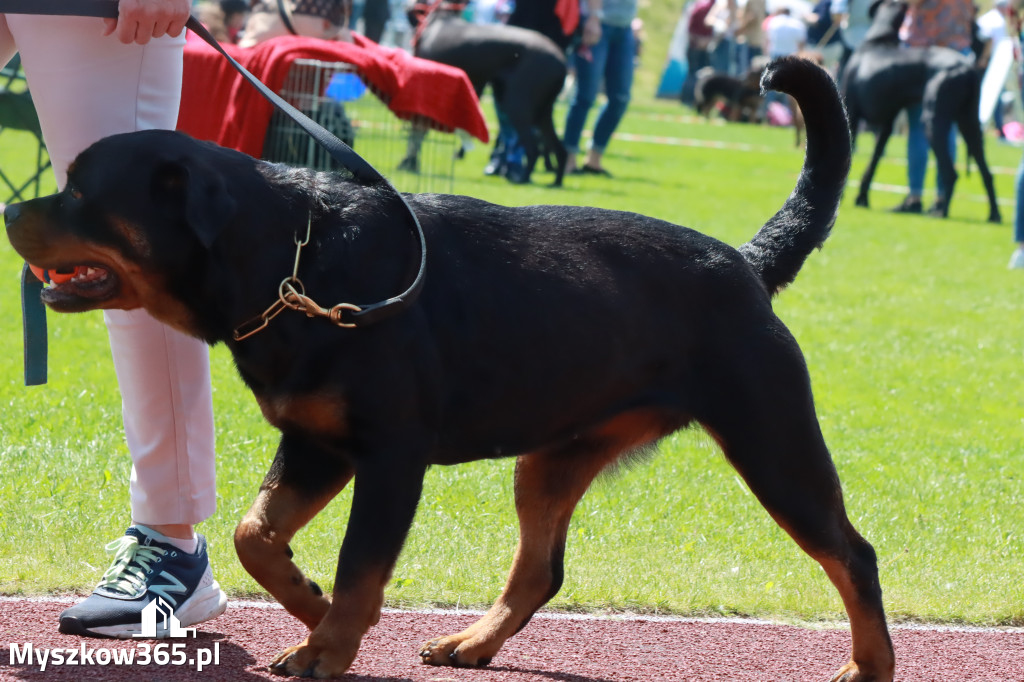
{"x":90,"y":284}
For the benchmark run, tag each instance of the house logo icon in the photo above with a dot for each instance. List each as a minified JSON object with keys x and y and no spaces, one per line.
{"x":171,"y":626}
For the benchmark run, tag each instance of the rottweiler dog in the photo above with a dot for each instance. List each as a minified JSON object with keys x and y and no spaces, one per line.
{"x":882,"y":78}
{"x":525,"y":69}
{"x":566,"y":337}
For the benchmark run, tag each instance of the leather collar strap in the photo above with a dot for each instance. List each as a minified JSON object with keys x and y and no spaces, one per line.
{"x":341,"y":152}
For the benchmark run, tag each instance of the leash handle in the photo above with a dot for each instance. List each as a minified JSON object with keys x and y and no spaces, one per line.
{"x":339,"y":151}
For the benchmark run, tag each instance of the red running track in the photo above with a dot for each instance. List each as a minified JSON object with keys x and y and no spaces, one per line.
{"x":549,"y":649}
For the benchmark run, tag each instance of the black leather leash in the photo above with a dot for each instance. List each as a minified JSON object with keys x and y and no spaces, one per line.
{"x":286,"y":18}
{"x":361,"y":169}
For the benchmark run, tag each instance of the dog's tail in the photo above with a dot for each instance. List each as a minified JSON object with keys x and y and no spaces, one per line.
{"x":779,"y":249}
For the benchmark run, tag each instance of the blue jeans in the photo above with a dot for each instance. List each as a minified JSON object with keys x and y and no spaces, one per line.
{"x":611,"y":61}
{"x":1018,"y":218}
{"x":696,"y":59}
{"x":745,"y":52}
{"x":917,"y":152}
{"x":724,"y":56}
{"x":917,"y":149}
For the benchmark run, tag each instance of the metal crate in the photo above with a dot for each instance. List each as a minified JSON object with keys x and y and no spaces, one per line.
{"x":334,"y":95}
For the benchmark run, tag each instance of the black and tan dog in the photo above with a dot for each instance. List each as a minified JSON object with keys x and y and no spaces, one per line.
{"x":740,"y":98}
{"x":525,"y":69}
{"x":567,"y":337}
{"x":882,"y":78}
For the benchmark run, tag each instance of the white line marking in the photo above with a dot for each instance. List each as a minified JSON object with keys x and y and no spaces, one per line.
{"x":625,"y":616}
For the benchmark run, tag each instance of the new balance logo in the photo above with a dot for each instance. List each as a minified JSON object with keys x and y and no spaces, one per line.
{"x":174,"y":586}
{"x":171,"y":624}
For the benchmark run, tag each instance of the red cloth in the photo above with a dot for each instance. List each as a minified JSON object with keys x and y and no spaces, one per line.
{"x":568,"y":13}
{"x":217,"y":104}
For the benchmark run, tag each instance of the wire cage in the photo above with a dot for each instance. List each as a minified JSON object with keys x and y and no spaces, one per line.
{"x":334,"y":95}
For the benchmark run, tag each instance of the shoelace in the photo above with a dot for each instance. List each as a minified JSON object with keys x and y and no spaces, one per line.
{"x":131,"y":565}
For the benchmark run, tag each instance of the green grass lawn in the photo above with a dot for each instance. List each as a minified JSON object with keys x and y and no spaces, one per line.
{"x":912,"y":332}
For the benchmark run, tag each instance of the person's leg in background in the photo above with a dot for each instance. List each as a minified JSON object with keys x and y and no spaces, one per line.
{"x":720,"y":56}
{"x":86,"y":86}
{"x":589,"y":63}
{"x":917,"y":161}
{"x":696,"y":59}
{"x":375,"y":17}
{"x":618,"y":83}
{"x":1017,"y":259}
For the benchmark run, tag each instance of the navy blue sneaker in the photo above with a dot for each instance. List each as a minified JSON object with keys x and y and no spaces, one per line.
{"x":145,"y":569}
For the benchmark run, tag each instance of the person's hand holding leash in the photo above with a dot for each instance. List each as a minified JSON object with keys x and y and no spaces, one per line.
{"x":592,"y":25}
{"x":140,"y":20}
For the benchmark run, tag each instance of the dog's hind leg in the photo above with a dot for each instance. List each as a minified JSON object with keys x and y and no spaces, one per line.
{"x":520,"y":118}
{"x":300,"y":482}
{"x":970,"y":129}
{"x":762,"y":414}
{"x":552,"y":143}
{"x":548,"y":485}
{"x":938,"y":127}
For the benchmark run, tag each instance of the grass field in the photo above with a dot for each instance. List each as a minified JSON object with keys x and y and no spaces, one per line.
{"x":911,"y":328}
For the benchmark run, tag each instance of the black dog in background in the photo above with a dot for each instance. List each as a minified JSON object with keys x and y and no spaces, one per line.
{"x":883,"y":78}
{"x":525,"y":69}
{"x":567,"y":337}
{"x":740,"y":98}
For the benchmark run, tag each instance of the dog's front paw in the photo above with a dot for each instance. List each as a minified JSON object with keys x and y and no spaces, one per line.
{"x":447,"y":651}
{"x":308,"y":660}
{"x":852,"y":673}
{"x":862,"y":200}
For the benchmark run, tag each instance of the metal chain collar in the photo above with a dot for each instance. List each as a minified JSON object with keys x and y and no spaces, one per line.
{"x":291,"y":293}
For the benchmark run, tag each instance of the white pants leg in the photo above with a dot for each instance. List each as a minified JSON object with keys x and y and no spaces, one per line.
{"x":87,"y":86}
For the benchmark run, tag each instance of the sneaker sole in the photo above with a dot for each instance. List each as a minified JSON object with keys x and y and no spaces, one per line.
{"x":207,"y":603}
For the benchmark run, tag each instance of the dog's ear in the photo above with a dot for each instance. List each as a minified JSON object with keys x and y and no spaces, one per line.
{"x":202,"y":192}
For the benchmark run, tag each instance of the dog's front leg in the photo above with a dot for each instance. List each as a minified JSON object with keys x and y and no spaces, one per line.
{"x":387,"y":490}
{"x":301,"y":481}
{"x":881,"y":139}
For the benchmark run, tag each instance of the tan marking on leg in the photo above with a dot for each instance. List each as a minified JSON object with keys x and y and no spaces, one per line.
{"x":261,"y":541}
{"x":872,"y":657}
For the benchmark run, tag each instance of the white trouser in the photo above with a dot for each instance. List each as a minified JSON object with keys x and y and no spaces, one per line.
{"x":86,"y":86}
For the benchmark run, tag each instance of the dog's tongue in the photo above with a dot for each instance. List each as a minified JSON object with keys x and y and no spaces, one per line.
{"x":55,"y":276}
